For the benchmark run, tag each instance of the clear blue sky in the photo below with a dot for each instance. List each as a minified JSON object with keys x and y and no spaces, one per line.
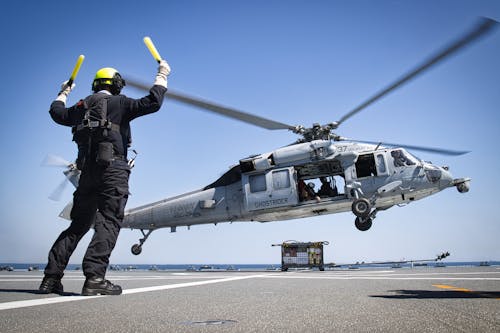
{"x":298,"y":62}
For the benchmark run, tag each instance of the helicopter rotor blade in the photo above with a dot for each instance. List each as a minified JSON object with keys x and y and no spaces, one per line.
{"x":433,"y":150}
{"x":219,"y":109}
{"x":58,"y":191}
{"x":485,"y":25}
{"x":55,"y":161}
{"x":70,"y":176}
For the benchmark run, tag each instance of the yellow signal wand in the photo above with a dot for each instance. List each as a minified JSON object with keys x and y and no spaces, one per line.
{"x":151,"y":47}
{"x":76,"y":69}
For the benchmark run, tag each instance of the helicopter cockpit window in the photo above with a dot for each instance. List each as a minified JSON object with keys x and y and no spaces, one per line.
{"x":281,"y":179}
{"x":365,"y":166}
{"x":257,"y":183}
{"x":402,"y":158}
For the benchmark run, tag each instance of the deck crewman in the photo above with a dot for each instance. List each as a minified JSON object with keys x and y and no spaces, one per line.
{"x":101,"y":129}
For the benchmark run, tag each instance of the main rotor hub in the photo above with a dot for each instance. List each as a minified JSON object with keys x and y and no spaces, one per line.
{"x":316,"y":132}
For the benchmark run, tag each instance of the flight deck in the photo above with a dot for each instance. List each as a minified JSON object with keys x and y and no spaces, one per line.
{"x":420,"y":299}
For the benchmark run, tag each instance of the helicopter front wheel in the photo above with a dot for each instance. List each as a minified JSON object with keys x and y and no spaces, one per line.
{"x":363,"y":224}
{"x":361,"y":207}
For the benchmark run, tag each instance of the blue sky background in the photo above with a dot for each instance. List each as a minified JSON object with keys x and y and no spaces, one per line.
{"x":298,"y":62}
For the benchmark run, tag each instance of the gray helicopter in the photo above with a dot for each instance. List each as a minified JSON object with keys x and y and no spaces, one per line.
{"x":359,"y":176}
{"x":272,"y":187}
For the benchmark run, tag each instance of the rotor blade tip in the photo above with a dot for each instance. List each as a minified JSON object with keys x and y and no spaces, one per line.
{"x":489,"y":20}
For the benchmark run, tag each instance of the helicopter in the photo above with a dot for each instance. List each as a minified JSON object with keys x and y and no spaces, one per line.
{"x":358,"y":176}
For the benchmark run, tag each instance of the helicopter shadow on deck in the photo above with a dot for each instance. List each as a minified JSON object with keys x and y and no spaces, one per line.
{"x":439,"y":294}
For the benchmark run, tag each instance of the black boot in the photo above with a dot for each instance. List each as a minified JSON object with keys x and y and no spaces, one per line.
{"x":51,"y":285}
{"x":99,"y":286}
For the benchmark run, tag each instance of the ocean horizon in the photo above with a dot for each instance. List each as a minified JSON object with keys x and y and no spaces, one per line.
{"x":275,"y":266}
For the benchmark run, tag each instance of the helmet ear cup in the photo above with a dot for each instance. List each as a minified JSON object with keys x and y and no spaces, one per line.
{"x":118,"y":84}
{"x":118,"y":81}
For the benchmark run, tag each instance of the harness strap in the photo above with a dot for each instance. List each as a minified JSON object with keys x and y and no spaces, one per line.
{"x":103,"y":123}
{"x":96,"y":124}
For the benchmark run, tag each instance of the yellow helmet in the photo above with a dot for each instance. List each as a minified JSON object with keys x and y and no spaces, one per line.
{"x":109,"y":78}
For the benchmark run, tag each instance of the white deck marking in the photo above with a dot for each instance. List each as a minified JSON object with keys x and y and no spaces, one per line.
{"x":44,"y":301}
{"x":187,"y":284}
{"x":62,"y":299}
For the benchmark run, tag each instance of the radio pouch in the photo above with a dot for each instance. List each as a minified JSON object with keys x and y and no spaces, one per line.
{"x":105,"y":154}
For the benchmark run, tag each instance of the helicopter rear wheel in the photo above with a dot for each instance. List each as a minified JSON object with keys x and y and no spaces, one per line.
{"x":136,"y":249}
{"x":361,"y":207}
{"x":363,"y":224}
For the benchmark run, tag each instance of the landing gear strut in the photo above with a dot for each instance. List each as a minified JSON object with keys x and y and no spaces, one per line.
{"x":362,"y":207}
{"x":363,"y":223}
{"x":137,"y":248}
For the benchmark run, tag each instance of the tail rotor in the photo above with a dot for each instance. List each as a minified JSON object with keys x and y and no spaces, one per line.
{"x":71,"y":174}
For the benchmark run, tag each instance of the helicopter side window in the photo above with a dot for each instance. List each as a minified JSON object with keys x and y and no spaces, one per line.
{"x":365,"y":166}
{"x":381,"y":163}
{"x":281,"y":179}
{"x":257,"y":183}
{"x":401,"y":158}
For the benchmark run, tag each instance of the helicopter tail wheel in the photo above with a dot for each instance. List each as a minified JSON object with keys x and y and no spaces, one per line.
{"x":363,"y":224}
{"x":136,"y":249}
{"x":361,"y":207}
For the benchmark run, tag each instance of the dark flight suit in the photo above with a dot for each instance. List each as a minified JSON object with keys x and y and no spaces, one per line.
{"x":103,"y":190}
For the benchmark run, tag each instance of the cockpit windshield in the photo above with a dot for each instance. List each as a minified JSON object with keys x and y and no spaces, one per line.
{"x":401,"y":158}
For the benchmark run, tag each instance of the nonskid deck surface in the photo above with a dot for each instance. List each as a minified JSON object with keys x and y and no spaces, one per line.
{"x":376,"y":300}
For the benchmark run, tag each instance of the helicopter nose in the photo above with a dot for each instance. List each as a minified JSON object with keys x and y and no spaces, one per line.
{"x":446,"y":179}
{"x":438,"y":176}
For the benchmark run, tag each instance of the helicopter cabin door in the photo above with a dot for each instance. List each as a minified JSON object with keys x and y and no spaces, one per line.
{"x":371,"y":171}
{"x":270,"y":189}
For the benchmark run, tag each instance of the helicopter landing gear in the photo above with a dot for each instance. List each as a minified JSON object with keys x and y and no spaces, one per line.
{"x":363,"y":224}
{"x":361,"y":207}
{"x":137,"y":248}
